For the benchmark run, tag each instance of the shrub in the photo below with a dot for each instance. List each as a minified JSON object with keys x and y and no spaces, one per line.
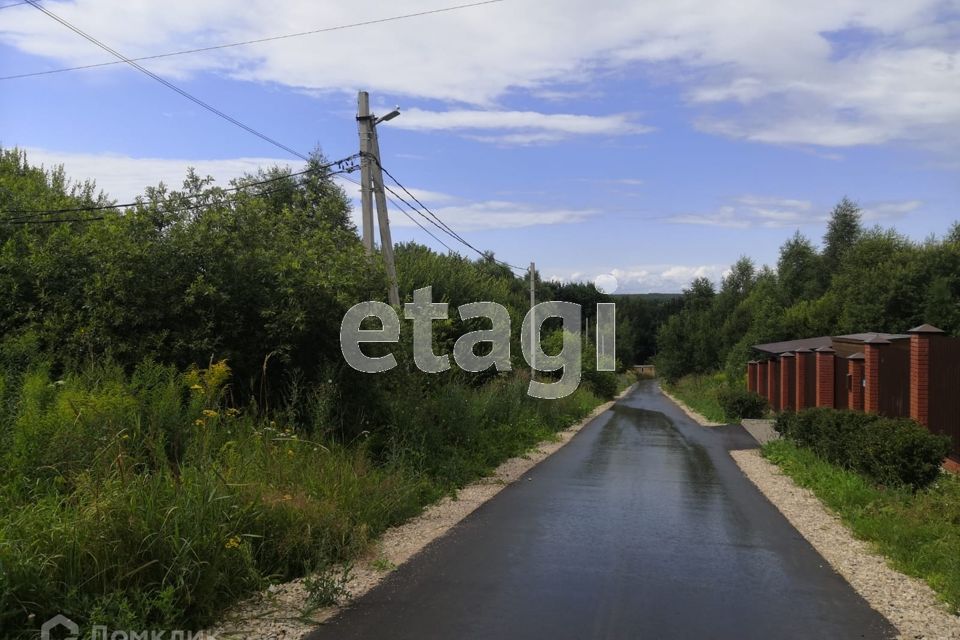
{"x":602,"y":383}
{"x":890,"y":451}
{"x":739,"y":403}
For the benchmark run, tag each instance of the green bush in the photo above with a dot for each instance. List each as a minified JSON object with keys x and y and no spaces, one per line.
{"x":890,"y":451}
{"x":602,"y":383}
{"x":739,"y":403}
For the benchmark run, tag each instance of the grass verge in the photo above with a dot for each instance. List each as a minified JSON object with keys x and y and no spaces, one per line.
{"x":146,"y":502}
{"x":699,"y":392}
{"x":918,"y":531}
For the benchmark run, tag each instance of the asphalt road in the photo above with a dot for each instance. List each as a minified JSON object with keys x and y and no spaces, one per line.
{"x":641,"y":527}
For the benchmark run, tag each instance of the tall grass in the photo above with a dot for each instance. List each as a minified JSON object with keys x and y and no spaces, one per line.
{"x":699,"y":392}
{"x":918,"y":531}
{"x":148,"y":502}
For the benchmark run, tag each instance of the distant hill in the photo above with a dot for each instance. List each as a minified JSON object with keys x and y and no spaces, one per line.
{"x":649,"y":297}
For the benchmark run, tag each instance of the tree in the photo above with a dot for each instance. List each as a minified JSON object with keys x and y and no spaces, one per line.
{"x":843,"y":231}
{"x":798,"y":270}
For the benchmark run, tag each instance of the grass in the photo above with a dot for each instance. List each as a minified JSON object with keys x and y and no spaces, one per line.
{"x":699,"y":392}
{"x":918,"y":531}
{"x":145,"y":501}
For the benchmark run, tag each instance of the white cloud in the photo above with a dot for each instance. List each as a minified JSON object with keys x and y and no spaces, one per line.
{"x":768,"y":212}
{"x":652,"y":278}
{"x":889,"y":210}
{"x":500,"y":214}
{"x":464,"y":216}
{"x":832,"y":73}
{"x":526,"y":127}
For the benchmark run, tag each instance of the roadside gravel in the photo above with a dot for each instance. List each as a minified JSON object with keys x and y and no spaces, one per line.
{"x":281,"y":612}
{"x":908,"y":603}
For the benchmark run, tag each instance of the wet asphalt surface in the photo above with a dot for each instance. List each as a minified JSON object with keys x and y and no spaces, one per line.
{"x":642,"y":526}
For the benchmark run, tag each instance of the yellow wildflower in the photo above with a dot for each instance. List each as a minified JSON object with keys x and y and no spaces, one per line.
{"x":233,"y":543}
{"x":199,"y":422}
{"x":196,"y":387}
{"x":210,"y":414}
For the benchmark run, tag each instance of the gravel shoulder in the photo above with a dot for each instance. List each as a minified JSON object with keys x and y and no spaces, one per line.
{"x":281,"y":611}
{"x":908,"y":603}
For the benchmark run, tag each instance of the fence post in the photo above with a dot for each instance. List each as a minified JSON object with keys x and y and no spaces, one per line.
{"x":773,"y":390}
{"x":871,"y":373}
{"x":920,"y":339}
{"x":752,"y":376}
{"x":803,"y":364}
{"x":787,"y":371}
{"x":855,"y":388}
{"x":825,"y":368}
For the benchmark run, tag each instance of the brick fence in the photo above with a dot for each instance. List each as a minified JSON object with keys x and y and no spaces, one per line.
{"x":917,"y":378}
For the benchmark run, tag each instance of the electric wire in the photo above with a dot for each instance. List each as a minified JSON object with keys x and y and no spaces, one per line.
{"x":248,"y":42}
{"x":436,"y":221}
{"x":397,"y":206}
{"x":167,"y":83}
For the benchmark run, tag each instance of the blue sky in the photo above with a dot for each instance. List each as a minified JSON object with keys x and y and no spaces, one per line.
{"x":653,"y":141}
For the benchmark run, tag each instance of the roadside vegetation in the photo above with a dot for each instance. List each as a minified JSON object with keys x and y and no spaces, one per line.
{"x":716,"y":398}
{"x":177,"y":426}
{"x":919,"y":531}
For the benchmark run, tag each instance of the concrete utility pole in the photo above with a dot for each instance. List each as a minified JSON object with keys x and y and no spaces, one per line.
{"x":533,"y":324}
{"x":386,"y":242}
{"x":371,"y":178}
{"x":365,"y":126}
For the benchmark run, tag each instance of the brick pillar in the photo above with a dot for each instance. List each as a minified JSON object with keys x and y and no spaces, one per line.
{"x":752,"y":376}
{"x":803,"y":357}
{"x":762,"y":379}
{"x":871,"y":373}
{"x":855,"y":390}
{"x":825,"y":368}
{"x":787,"y":371}
{"x":773,"y":388}
{"x":920,"y":342}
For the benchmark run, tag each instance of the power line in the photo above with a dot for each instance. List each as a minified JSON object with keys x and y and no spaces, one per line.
{"x":397,"y":206}
{"x":166,"y":83}
{"x":24,"y":215}
{"x":436,"y":221}
{"x":256,"y":41}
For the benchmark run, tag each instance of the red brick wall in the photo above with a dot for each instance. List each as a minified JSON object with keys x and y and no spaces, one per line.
{"x":825,"y":382}
{"x":920,"y":378}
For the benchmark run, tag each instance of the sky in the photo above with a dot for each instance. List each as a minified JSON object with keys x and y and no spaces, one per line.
{"x":654,"y":142}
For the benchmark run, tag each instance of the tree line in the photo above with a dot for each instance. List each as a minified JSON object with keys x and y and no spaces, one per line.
{"x":859,"y":280}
